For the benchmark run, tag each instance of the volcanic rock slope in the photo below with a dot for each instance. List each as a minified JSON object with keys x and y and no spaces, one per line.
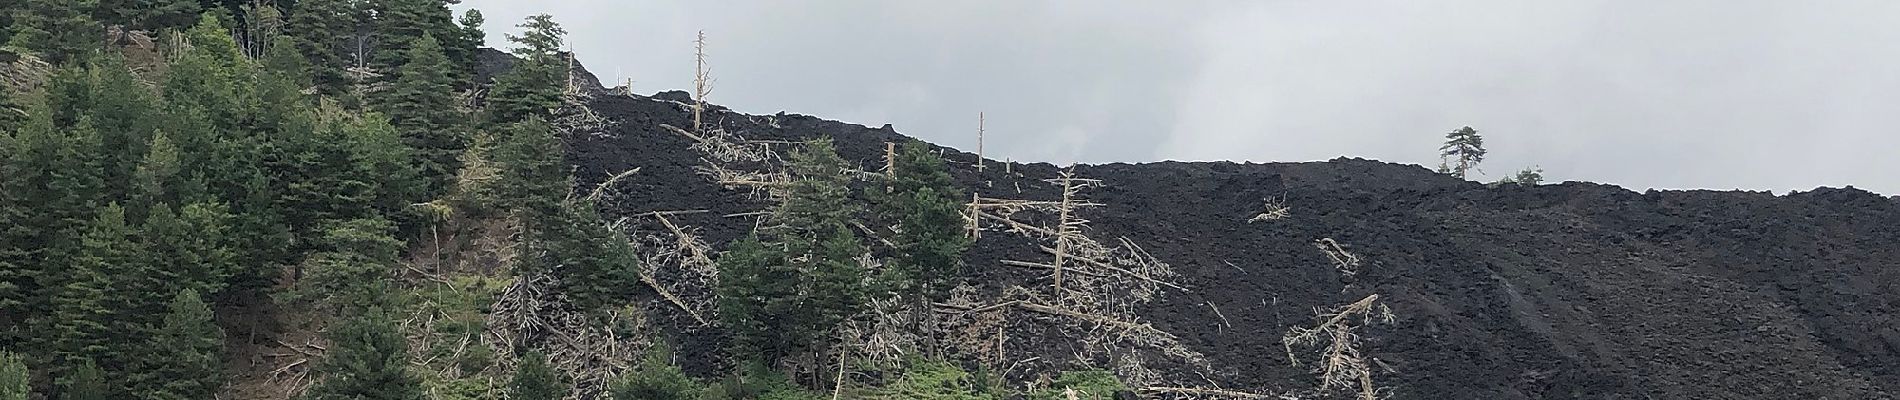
{"x":1571,"y":290}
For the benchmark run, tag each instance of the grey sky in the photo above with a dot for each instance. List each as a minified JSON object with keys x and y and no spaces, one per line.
{"x":1680,"y":94}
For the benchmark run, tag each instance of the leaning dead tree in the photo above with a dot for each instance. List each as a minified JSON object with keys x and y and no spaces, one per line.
{"x":675,"y":262}
{"x":1275,"y":210}
{"x":1341,"y":365}
{"x":1345,"y":262}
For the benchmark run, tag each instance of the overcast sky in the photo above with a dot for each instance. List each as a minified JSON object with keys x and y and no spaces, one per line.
{"x":1718,"y":94}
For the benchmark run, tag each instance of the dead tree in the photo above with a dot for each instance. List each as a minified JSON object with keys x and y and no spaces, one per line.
{"x":1342,"y":364}
{"x":530,"y":313}
{"x":979,"y":143}
{"x":1094,"y":290}
{"x":1068,"y":227}
{"x":680,"y":269}
{"x":1275,"y":210}
{"x":1345,"y":262}
{"x":702,"y":82}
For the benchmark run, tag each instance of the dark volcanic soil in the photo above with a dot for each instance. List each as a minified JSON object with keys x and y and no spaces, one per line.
{"x":1572,"y":290}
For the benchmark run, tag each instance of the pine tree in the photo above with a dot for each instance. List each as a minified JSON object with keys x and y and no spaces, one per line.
{"x":781,"y":290}
{"x":51,"y":177}
{"x":536,"y":380}
{"x":352,"y":167}
{"x":351,"y":265}
{"x":593,"y":262}
{"x":190,"y":249}
{"x":368,"y":360}
{"x":321,"y":177}
{"x":209,"y":77}
{"x":12,"y":113}
{"x":381,"y":159}
{"x":13,"y":377}
{"x":753,"y":283}
{"x":93,"y":318}
{"x":1463,"y":150}
{"x":125,"y":113}
{"x":184,"y":355}
{"x":401,"y":23}
{"x":85,"y":382}
{"x":147,"y":15}
{"x":924,"y":204}
{"x":322,"y":30}
{"x":656,"y":378}
{"x":534,"y":177}
{"x":263,"y":240}
{"x":422,"y":106}
{"x":533,"y":87}
{"x":7,"y":9}
{"x":468,"y":44}
{"x":59,"y":30}
{"x":153,"y":176}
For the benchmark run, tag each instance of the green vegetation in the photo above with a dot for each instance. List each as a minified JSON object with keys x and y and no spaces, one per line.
{"x":1087,"y":384}
{"x":13,"y":377}
{"x":933,"y":380}
{"x":297,"y":160}
{"x":188,"y":344}
{"x":783,"y":287}
{"x":927,"y":211}
{"x":368,"y":361}
{"x":1528,"y":177}
{"x":1462,"y":152}
{"x":535,"y":380}
{"x":656,"y":378}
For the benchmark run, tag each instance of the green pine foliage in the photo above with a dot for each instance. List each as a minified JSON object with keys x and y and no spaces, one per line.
{"x":86,"y":382}
{"x":534,"y":177}
{"x":656,"y":378}
{"x":140,"y":197}
{"x":925,"y":206}
{"x":781,"y":289}
{"x":52,"y":182}
{"x":368,"y":360}
{"x":184,"y":355}
{"x":536,"y":380}
{"x":13,"y":377}
{"x":94,"y":315}
{"x":931,"y":380}
{"x":1087,"y":384}
{"x":322,"y":31}
{"x":1531,"y":176}
{"x":147,"y":15}
{"x":12,"y":112}
{"x":471,"y":38}
{"x":423,"y":109}
{"x":593,"y":263}
{"x":1462,"y":152}
{"x":125,"y":114}
{"x":756,"y":382}
{"x":400,"y":24}
{"x":532,"y":89}
{"x":59,"y":30}
{"x":191,"y":249}
{"x":350,"y":268}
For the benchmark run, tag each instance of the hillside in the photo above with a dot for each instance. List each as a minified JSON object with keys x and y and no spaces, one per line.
{"x":1572,"y":290}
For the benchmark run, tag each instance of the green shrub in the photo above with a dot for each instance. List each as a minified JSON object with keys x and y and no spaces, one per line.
{"x":933,"y":380}
{"x":1088,"y":385}
{"x":656,"y":379}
